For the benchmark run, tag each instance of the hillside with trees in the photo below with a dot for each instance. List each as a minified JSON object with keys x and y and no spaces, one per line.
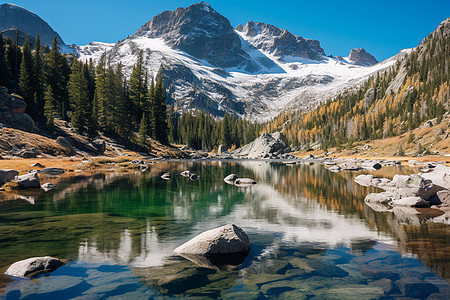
{"x":98,"y":99}
{"x":392,"y":103}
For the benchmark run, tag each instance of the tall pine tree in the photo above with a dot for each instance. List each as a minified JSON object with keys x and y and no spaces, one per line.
{"x":4,"y":70}
{"x":26,"y":79}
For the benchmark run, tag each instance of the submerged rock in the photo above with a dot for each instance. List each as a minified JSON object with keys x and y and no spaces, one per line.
{"x":33,"y":266}
{"x":228,"y":239}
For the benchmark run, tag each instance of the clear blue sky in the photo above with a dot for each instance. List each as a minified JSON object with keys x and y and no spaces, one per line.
{"x":381,"y":27}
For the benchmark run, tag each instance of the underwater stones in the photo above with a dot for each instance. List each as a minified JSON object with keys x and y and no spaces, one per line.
{"x":184,"y":280}
{"x":378,"y":273}
{"x":415,"y":288}
{"x":326,"y":269}
{"x":228,"y":239}
{"x":33,"y":266}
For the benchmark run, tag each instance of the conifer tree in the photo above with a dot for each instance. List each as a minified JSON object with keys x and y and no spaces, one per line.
{"x":161,"y":130}
{"x":4,"y":70}
{"x":137,"y":86}
{"x":26,"y":78}
{"x":143,"y":130}
{"x":38,"y":77}
{"x":55,"y":77}
{"x":79,"y":97}
{"x":49,"y":107}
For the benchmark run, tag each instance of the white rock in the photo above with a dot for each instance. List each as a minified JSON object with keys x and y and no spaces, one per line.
{"x":228,"y":239}
{"x":30,"y":180}
{"x":33,"y":266}
{"x":411,"y":202}
{"x":381,"y":198}
{"x":48,"y":186}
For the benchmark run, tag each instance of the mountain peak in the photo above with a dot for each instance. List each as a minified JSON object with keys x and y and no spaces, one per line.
{"x":280,"y":42}
{"x":199,"y":31}
{"x":15,"y":16}
{"x":361,"y":57}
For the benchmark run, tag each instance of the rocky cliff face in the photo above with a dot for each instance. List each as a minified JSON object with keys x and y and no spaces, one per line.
{"x":201,"y":32}
{"x":360,"y":57}
{"x":13,"y":16}
{"x":280,"y":42}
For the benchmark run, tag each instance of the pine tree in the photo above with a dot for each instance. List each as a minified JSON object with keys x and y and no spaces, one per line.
{"x":138,"y":89}
{"x":4,"y":70}
{"x":38,"y":77}
{"x":161,"y":129}
{"x":49,"y":107}
{"x":143,"y":131}
{"x":55,"y":77}
{"x":26,"y":79}
{"x":78,"y":90}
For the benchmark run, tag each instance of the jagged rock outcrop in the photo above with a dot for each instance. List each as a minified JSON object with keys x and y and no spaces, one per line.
{"x":14,"y":16}
{"x":280,"y":42}
{"x":360,"y":57}
{"x":12,"y":112}
{"x":266,"y":146}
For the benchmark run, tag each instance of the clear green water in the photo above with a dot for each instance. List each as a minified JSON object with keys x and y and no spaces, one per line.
{"x":312,"y":237}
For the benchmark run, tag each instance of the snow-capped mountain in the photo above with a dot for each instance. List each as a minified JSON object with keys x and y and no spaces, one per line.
{"x":13,"y":17}
{"x":255,"y":70}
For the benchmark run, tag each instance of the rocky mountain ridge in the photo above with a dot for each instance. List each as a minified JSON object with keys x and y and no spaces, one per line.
{"x":256,"y":70}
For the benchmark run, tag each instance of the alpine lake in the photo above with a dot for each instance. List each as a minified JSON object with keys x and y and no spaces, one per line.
{"x":312,"y":236}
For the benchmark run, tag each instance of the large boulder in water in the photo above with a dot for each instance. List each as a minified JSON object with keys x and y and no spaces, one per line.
{"x":33,"y":266}
{"x":228,"y":239}
{"x":259,"y":148}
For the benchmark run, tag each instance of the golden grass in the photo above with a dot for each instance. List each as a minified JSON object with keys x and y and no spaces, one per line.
{"x":23,"y":164}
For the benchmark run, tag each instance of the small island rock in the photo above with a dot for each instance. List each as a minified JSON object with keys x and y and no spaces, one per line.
{"x":228,"y":239}
{"x":33,"y":266}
